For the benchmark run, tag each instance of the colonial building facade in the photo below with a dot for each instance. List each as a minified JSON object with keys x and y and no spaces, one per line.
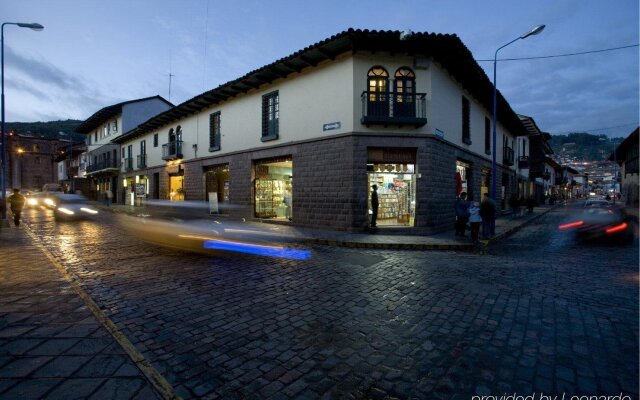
{"x":101,"y":162}
{"x":626,"y":155}
{"x":302,"y":140}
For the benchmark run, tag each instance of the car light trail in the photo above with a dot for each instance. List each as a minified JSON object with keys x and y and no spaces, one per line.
{"x":571,"y":225}
{"x":617,"y":228}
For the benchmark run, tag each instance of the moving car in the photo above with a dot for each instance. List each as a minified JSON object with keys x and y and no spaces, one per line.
{"x":71,"y":206}
{"x":599,"y":219}
{"x":34,"y":199}
{"x":596,"y":203}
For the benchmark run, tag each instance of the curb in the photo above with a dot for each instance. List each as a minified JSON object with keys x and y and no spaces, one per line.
{"x":353,"y":244}
{"x":390,"y":246}
{"x":516,"y":228}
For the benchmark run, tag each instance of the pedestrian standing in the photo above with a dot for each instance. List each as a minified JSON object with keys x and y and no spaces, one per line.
{"x":513,"y":204}
{"x":531,"y":202}
{"x":109,"y":195}
{"x":461,"y":206}
{"x":16,"y":203}
{"x":475,"y":220}
{"x":488,"y":215}
{"x":374,"y":205}
{"x":522,"y":203}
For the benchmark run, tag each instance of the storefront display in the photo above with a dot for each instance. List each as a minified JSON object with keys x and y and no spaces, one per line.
{"x":461,"y":177}
{"x":273,"y":189}
{"x":396,"y":193}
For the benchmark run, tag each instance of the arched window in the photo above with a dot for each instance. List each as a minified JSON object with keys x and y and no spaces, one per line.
{"x":378,"y":79}
{"x":179,"y":134}
{"x":405,"y":92}
{"x":378,"y":88}
{"x":172,"y":136}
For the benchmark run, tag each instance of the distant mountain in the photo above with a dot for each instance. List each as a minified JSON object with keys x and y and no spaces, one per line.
{"x":583,"y":146}
{"x":50,"y":130}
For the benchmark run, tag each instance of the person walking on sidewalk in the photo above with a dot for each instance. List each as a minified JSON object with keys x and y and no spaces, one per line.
{"x":488,"y":215}
{"x":475,"y":220}
{"x":461,"y":206}
{"x":16,"y":203}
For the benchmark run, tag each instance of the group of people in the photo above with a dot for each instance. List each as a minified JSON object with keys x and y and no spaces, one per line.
{"x":477,"y":215}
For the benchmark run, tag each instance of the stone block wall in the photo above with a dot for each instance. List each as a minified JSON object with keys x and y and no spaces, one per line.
{"x":330,"y":181}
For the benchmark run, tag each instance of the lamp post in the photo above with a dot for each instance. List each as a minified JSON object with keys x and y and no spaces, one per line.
{"x":532,"y":32}
{"x":69,"y":159}
{"x":35,"y":27}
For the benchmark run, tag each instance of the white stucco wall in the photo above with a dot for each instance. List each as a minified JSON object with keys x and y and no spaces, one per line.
{"x":307,"y":101}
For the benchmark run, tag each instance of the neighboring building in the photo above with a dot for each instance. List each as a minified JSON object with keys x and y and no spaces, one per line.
{"x":304,"y":138}
{"x":550,"y":181}
{"x":626,"y":155}
{"x":540,"y":169}
{"x":103,"y":158}
{"x":566,"y":182}
{"x":30,"y":161}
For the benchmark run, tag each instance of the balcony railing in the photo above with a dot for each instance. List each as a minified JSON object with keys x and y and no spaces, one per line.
{"x":172,"y":150}
{"x":142,"y":161}
{"x":388,"y":108}
{"x":507,"y":156}
{"x":103,"y":166}
{"x":127,"y":164}
{"x":523,"y":162}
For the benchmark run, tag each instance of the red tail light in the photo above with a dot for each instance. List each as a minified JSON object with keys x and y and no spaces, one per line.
{"x":570,"y":225}
{"x":617,"y":228}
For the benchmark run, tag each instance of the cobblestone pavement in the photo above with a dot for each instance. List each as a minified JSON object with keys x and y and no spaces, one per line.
{"x":537,"y":314}
{"x":50,"y":342}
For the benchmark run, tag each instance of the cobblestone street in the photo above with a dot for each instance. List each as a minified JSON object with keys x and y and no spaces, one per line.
{"x":538,"y":313}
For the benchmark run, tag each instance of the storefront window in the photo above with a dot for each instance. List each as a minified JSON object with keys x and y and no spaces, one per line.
{"x":274,"y":189}
{"x":396,"y":193}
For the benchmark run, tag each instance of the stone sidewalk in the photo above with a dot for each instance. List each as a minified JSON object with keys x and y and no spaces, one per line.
{"x":51,"y":343}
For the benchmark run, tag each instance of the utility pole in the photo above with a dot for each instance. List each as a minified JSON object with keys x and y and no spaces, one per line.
{"x":170,"y":75}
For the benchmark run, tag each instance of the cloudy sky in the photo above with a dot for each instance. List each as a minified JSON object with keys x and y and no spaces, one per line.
{"x":94,"y":53}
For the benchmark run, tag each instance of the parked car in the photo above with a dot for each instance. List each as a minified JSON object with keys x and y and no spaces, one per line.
{"x":599,"y":219}
{"x":71,"y":206}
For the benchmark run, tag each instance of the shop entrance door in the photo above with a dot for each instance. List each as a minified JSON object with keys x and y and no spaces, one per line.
{"x":176,"y":187}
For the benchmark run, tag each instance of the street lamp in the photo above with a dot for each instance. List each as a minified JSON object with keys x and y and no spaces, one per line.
{"x":532,"y":32}
{"x":3,"y":208}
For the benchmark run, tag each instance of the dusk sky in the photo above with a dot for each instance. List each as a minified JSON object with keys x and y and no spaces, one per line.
{"x":94,"y":53}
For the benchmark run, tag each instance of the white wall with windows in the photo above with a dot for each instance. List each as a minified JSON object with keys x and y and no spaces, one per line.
{"x":307,"y":101}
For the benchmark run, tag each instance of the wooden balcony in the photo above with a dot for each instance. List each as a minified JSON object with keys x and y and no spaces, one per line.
{"x":388,"y":108}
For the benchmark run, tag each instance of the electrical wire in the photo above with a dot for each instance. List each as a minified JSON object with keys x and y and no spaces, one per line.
{"x":563,"y":55}
{"x":596,"y":129}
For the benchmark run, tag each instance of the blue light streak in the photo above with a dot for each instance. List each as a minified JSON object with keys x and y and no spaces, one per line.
{"x":259,"y":250}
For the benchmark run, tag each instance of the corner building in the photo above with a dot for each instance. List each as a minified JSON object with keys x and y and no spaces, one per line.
{"x":302,"y":140}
